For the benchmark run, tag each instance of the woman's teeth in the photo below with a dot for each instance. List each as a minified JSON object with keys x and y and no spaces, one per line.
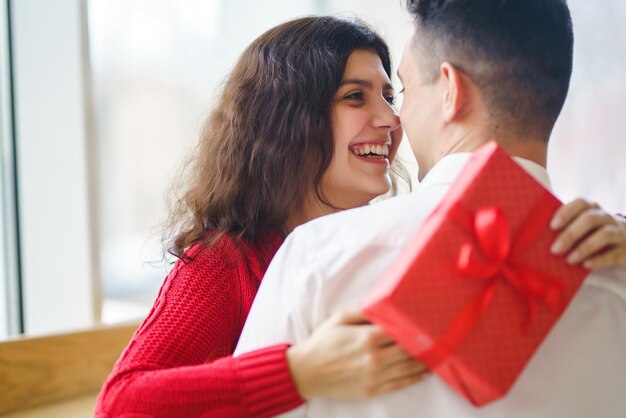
{"x":372,"y":150}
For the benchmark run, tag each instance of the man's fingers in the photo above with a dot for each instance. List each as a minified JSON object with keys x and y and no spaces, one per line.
{"x":584,"y":224}
{"x":607,"y":259}
{"x":602,"y":238}
{"x":567,"y":213}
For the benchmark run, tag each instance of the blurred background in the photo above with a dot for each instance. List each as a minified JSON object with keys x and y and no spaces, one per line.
{"x":100,"y":100}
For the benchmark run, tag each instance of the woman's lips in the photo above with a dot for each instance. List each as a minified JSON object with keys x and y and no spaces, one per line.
{"x":371,"y":151}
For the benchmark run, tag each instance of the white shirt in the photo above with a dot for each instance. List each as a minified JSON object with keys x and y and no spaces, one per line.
{"x":334,"y":261}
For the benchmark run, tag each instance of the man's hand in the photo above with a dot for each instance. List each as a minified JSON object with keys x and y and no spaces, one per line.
{"x":589,"y":235}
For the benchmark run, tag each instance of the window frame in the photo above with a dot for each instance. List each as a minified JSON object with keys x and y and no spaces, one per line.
{"x":10,"y":289}
{"x":51,"y":84}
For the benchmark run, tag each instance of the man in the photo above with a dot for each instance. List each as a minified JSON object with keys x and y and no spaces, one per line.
{"x":473,"y":71}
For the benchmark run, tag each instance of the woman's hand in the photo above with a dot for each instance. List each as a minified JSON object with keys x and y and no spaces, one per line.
{"x":347,"y":357}
{"x":589,"y":235}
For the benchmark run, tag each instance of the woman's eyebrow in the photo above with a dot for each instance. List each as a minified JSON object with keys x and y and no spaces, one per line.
{"x":363,"y":83}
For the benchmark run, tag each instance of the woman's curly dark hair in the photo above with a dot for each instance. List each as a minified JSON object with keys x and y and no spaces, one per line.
{"x":268,"y":139}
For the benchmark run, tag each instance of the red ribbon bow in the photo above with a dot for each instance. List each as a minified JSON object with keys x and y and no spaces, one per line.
{"x":500,"y":263}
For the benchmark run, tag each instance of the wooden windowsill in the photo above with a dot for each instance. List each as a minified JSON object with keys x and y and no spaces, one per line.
{"x":48,"y":370}
{"x":78,"y":407}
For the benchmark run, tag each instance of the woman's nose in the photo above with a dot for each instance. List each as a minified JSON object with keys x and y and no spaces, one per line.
{"x":386,"y":115}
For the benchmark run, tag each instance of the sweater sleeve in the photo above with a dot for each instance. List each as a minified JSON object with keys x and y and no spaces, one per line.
{"x":178,"y":363}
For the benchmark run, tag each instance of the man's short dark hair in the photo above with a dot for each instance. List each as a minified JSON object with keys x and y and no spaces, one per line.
{"x":518,"y":52}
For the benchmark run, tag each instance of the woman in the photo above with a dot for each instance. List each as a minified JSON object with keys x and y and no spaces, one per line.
{"x":304,"y":127}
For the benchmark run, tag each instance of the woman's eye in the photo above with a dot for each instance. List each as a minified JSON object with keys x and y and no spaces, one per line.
{"x":390,"y":99}
{"x":354,"y":96}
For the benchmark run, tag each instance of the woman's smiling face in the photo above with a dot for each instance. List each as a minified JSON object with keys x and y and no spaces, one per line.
{"x":366,"y":133}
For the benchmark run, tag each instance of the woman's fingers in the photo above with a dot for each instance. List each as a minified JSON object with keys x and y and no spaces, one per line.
{"x":346,"y":358}
{"x":348,"y":318}
{"x":393,"y":370}
{"x":402,"y":369}
{"x":392,"y":355}
{"x":371,"y":335}
{"x":398,"y":383}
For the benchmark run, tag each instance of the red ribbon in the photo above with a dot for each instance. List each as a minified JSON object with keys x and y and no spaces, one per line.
{"x":502,"y":264}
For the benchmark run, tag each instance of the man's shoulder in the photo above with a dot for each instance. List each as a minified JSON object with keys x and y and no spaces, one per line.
{"x":612,"y":280}
{"x":373,"y":217}
{"x":357,"y":234}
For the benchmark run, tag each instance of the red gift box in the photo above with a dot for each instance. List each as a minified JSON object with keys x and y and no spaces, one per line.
{"x":476,"y":290}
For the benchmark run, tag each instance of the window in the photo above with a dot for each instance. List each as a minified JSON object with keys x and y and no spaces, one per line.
{"x":156,"y":66}
{"x":587,"y":150}
{"x":52,"y":137}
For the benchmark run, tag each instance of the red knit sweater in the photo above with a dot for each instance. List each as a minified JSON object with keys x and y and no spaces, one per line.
{"x":179,"y":362}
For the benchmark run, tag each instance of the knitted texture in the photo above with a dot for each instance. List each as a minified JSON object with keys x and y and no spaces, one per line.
{"x":179,"y":362}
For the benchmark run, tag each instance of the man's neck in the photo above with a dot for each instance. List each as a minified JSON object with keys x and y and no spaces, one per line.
{"x":535,"y":150}
{"x":464,"y":140}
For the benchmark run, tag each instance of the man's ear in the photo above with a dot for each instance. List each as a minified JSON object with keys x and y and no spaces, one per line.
{"x":455,"y":91}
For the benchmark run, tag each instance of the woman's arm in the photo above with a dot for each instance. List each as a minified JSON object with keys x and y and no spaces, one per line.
{"x":178,"y":363}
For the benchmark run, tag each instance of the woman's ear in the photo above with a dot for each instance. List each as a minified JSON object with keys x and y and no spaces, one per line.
{"x":455,"y":91}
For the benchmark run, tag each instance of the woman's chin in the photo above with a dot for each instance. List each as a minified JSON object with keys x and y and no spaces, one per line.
{"x":375,"y":195}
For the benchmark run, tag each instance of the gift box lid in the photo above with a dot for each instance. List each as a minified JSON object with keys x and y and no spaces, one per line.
{"x":494,"y":207}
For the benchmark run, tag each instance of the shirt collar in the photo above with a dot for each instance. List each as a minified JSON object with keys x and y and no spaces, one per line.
{"x":538,"y":172}
{"x":449,"y":167}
